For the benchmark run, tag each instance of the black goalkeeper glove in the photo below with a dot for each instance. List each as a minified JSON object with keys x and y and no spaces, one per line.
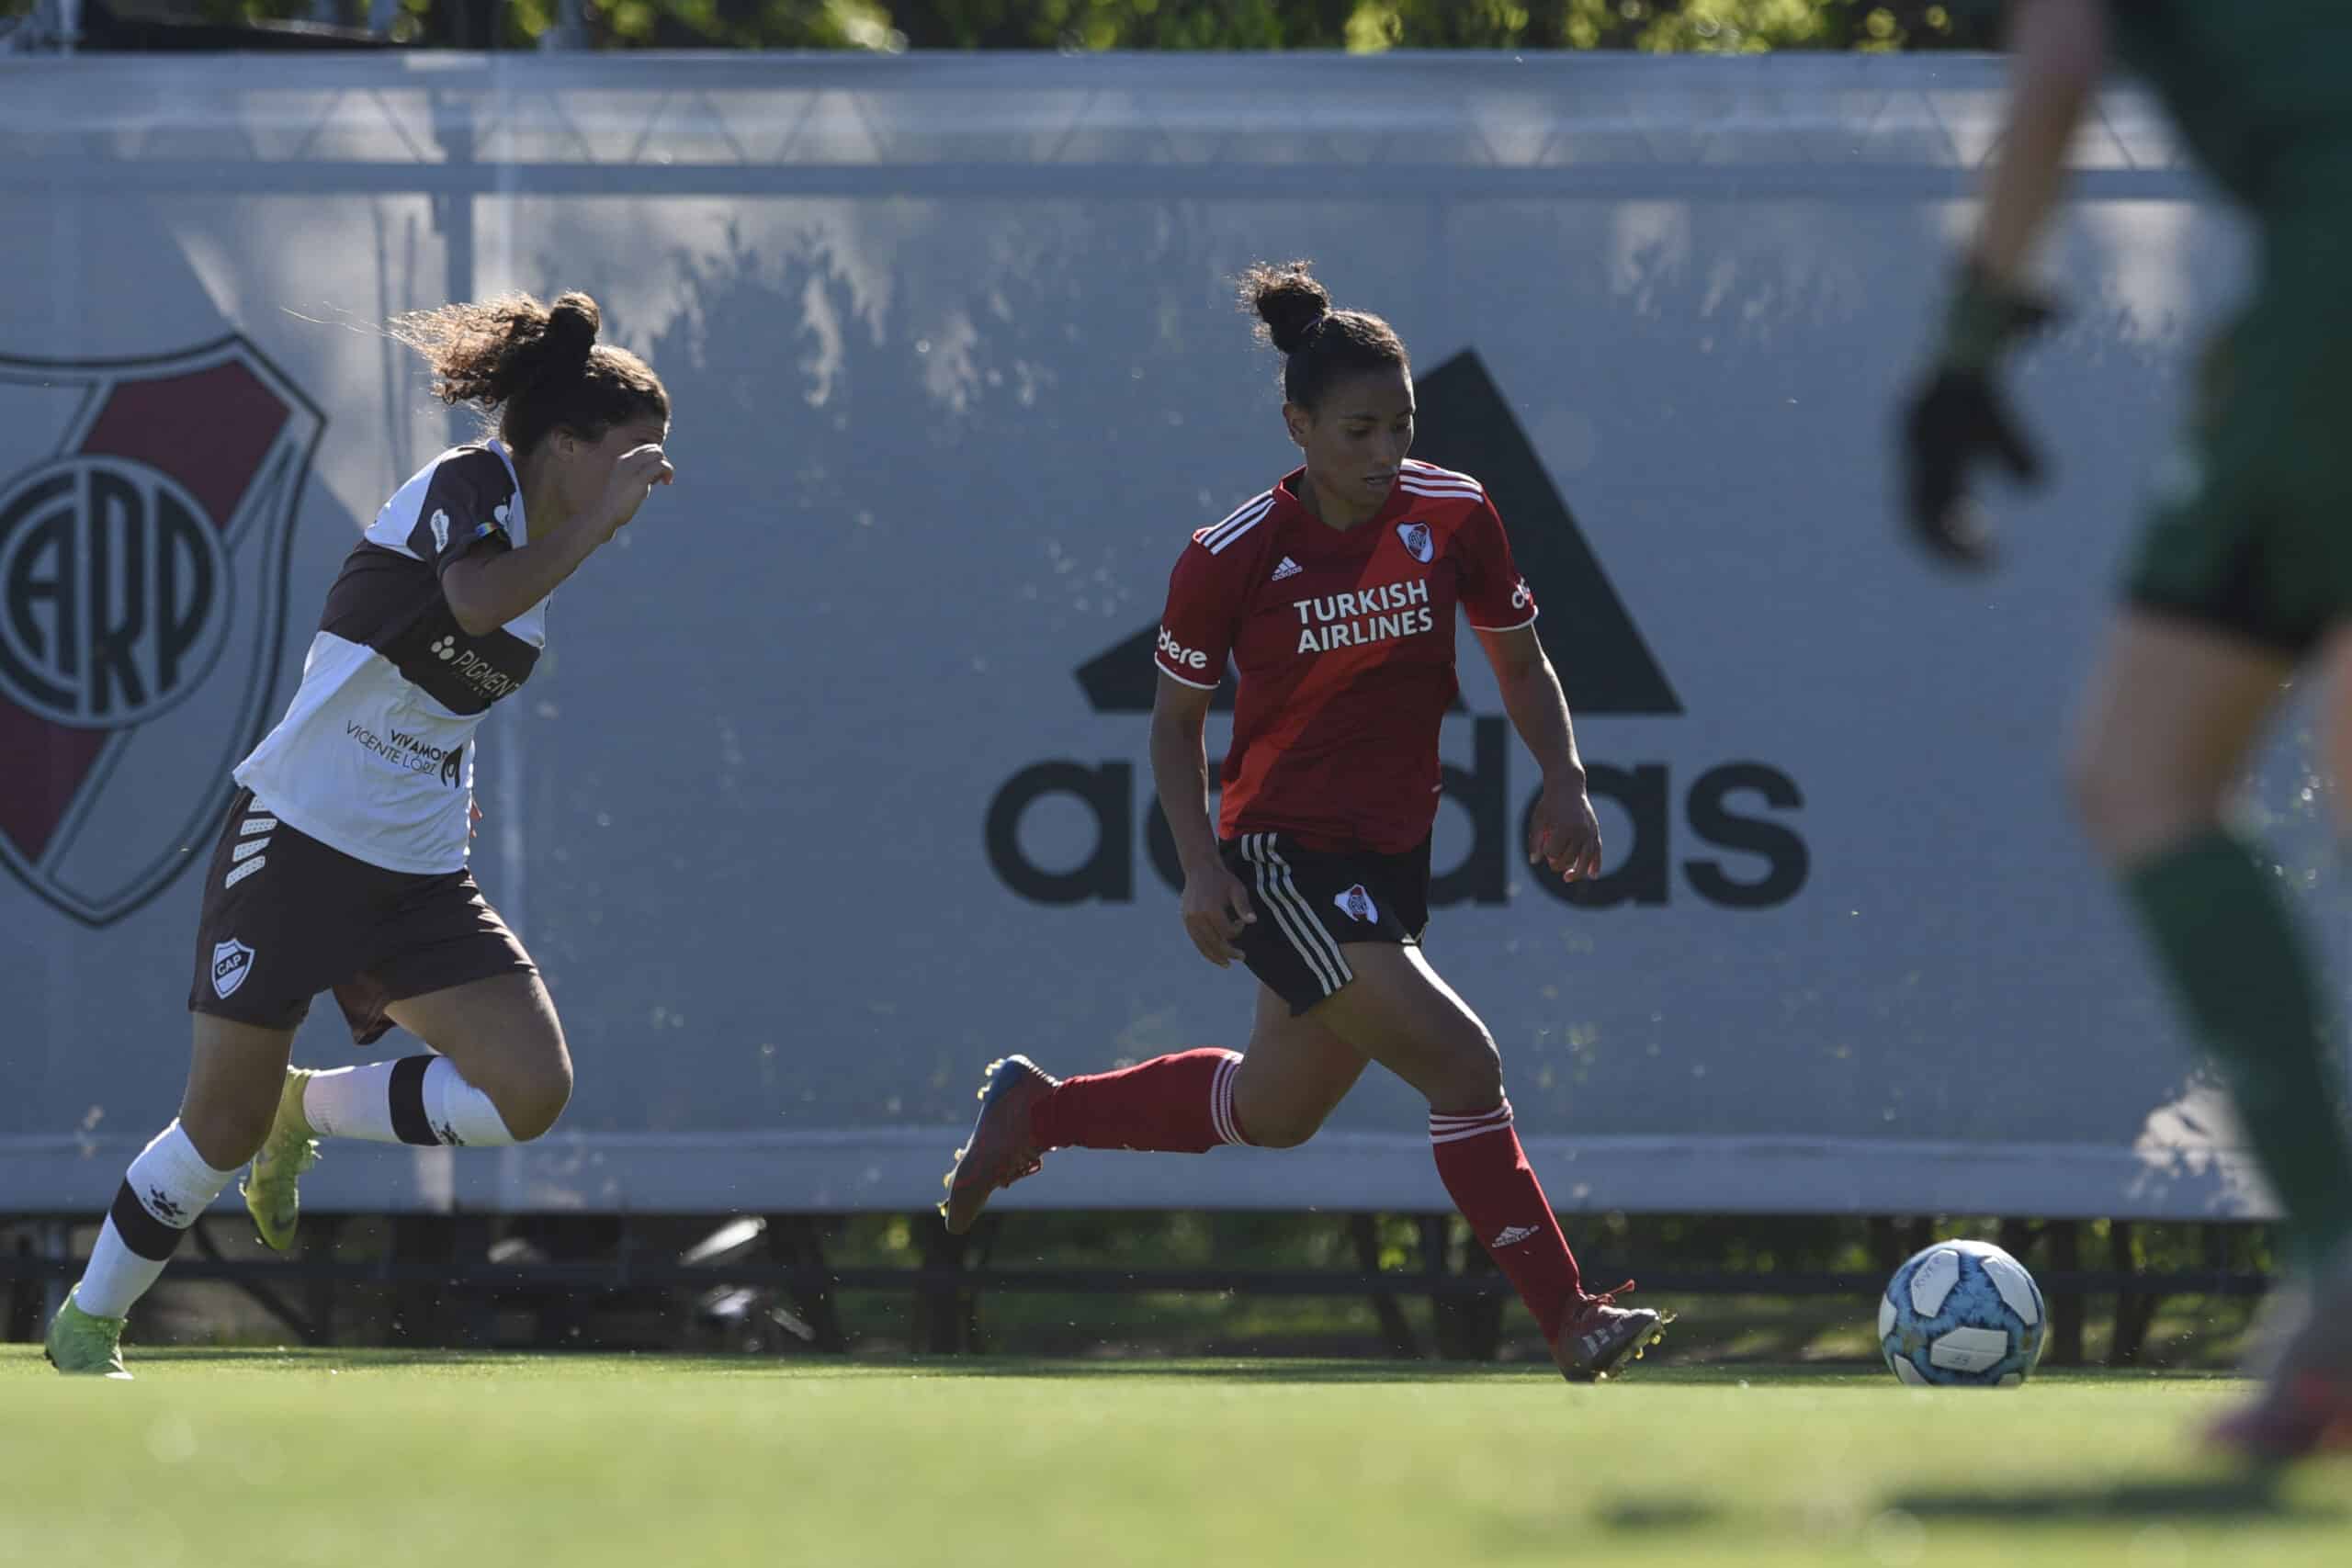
{"x":1956,"y":417}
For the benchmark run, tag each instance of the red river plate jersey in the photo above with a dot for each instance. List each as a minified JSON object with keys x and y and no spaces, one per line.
{"x":1343,"y":646}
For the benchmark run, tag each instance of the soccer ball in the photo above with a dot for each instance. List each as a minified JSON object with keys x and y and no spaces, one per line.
{"x":1962,"y":1313}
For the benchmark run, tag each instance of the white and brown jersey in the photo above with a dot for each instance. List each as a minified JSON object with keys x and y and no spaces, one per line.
{"x":373,"y":757}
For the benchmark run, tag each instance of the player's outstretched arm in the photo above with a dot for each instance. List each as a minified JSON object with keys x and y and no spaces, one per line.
{"x":487,"y":590}
{"x":1563,"y":833}
{"x":1955,"y":417}
{"x":2057,"y":50}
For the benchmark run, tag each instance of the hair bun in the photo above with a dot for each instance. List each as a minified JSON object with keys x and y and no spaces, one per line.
{"x":572,"y":325}
{"x":1289,"y":301}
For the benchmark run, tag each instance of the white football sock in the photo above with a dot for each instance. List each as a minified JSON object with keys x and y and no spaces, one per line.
{"x":162,"y":1194}
{"x":352,"y":1102}
{"x":459,"y":1113}
{"x":417,"y":1100}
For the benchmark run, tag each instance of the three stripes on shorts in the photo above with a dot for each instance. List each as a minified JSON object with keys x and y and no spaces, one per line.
{"x":247,"y":856}
{"x":1293,"y":915}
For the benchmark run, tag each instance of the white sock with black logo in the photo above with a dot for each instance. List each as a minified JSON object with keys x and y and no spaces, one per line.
{"x":162,"y":1194}
{"x":417,"y":1100}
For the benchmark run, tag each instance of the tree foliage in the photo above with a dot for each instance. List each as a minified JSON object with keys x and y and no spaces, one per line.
{"x":1661,"y":26}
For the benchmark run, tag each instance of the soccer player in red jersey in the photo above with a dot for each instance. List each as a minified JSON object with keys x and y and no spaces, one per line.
{"x":1333,"y":594}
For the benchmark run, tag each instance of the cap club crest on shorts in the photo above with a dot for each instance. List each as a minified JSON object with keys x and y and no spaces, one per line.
{"x":232,"y":961}
{"x":1357,"y":905}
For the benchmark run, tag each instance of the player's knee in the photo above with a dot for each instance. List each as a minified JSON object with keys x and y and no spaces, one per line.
{"x":531,"y":1102}
{"x":1282,"y":1127}
{"x":229,"y":1130}
{"x":228,"y":1136}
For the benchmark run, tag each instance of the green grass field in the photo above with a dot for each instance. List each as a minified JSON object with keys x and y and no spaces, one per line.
{"x":352,"y":1459}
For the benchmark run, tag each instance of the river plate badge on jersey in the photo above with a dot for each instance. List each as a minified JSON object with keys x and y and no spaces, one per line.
{"x":147,"y":511}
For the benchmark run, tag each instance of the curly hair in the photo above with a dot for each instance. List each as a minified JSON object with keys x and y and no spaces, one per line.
{"x":533,"y":368}
{"x":1319,"y":344}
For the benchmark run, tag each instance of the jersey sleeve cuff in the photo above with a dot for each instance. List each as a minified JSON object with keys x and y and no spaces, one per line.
{"x":1196,"y":685}
{"x":1515,"y":626}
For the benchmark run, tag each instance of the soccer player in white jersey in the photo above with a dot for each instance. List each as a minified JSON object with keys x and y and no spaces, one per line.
{"x":342,"y":865}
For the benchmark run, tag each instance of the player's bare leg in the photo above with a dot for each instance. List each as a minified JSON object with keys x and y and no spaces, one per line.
{"x":503,"y":1038}
{"x":502,"y":1075}
{"x":2173,"y":715}
{"x":1292,"y":1077}
{"x":233,"y":1073}
{"x":2170,"y":717}
{"x":1400,"y":1013}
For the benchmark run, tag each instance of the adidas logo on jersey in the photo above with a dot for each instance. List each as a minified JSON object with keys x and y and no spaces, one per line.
{"x":1288,"y":569}
{"x":1357,"y":905}
{"x":1513,"y":1235}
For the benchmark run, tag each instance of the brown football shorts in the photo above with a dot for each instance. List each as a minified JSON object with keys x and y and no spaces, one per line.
{"x":285,"y":917}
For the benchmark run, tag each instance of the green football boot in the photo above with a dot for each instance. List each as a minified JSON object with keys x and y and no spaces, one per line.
{"x":81,"y":1345}
{"x":291,"y":1148}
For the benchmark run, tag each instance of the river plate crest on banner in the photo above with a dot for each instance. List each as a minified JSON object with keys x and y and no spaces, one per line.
{"x":147,"y":511}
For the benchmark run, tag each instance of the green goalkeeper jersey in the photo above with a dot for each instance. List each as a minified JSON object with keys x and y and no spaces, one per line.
{"x":2261,"y":89}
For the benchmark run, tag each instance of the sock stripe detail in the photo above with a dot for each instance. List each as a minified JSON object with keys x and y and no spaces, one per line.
{"x":1454,"y":1128}
{"x":1292,"y":912}
{"x":150,"y":1237}
{"x":1439,"y":1120}
{"x":1469,"y":1132}
{"x":410,"y":1123}
{"x":1501,"y":1112}
{"x":1228,"y":1131}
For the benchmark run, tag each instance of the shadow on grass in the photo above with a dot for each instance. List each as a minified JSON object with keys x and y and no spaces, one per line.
{"x":1334,"y":1370}
{"x":314,"y":1355}
{"x":2248,"y":1497}
{"x":1300,"y":1370}
{"x":378,"y":1358}
{"x":1660,"y":1513}
{"x":2252,"y":1496}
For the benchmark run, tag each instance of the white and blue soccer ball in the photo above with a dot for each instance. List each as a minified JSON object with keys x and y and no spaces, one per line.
{"x":1962,"y":1313}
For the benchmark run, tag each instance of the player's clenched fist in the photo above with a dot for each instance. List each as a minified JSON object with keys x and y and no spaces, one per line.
{"x":635,"y":473}
{"x":1216,"y":910}
{"x":1563,"y":832}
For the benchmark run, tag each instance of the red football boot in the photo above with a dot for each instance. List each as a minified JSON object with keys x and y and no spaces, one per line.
{"x":2305,"y":1415}
{"x":1000,"y":1150}
{"x":1597,"y":1337}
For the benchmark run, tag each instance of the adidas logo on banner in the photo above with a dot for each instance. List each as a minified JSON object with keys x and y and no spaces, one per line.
{"x":1677,"y":824}
{"x":1513,"y":1235}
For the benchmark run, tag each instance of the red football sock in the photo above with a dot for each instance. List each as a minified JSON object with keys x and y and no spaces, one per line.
{"x":1179,"y":1104}
{"x":1479,"y":1160}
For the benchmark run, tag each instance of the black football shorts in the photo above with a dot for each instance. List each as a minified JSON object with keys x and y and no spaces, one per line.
{"x":286,"y":917}
{"x":1311,"y":904}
